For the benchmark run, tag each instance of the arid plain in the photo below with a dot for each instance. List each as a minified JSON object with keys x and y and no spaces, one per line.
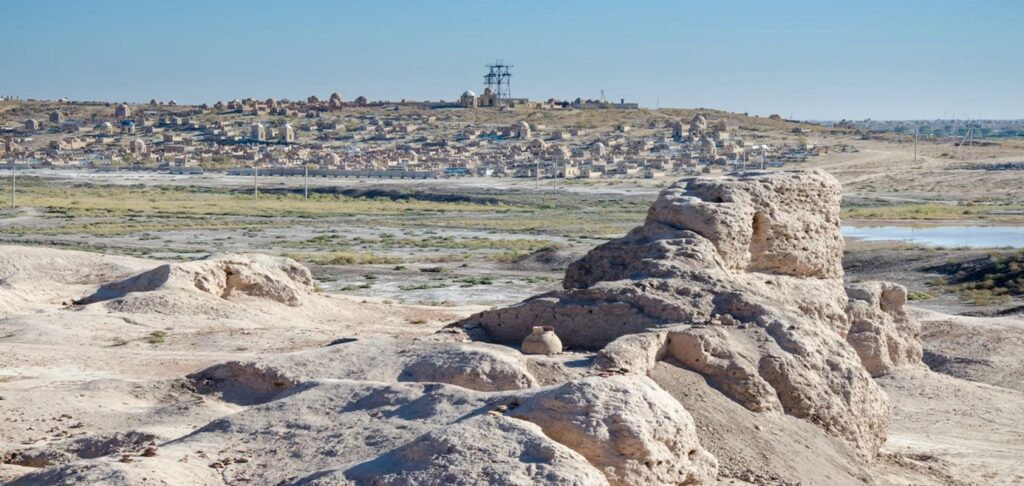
{"x":172,"y":329}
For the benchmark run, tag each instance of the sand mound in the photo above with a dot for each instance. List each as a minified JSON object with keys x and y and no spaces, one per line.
{"x":277,"y":279}
{"x":82,"y":448}
{"x":982,"y":349}
{"x":744,"y":274}
{"x":482,"y":450}
{"x":31,"y":275}
{"x":340,"y":431}
{"x":475,"y":366}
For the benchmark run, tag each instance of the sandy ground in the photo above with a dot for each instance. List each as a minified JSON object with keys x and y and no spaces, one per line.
{"x":97,"y":373}
{"x":887,"y":172}
{"x":68,"y":371}
{"x":112,"y":375}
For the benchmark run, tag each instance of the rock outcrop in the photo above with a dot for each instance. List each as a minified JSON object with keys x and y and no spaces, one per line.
{"x":739,"y":279}
{"x":881,"y":331}
{"x":277,"y":279}
{"x":627,"y":427}
{"x":614,"y":430}
{"x":475,"y":366}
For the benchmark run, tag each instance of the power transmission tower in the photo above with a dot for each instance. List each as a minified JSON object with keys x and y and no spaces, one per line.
{"x":499,"y":79}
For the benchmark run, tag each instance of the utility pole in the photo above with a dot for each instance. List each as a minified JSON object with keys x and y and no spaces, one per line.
{"x":305,"y":187}
{"x":255,"y":182}
{"x":916,"y":131}
{"x":538,"y":175}
{"x":554,"y":178}
{"x":14,"y":185}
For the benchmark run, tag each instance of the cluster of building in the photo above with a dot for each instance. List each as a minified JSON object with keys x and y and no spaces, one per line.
{"x":363,"y":137}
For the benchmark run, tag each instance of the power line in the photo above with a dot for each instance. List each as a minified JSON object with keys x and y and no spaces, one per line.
{"x":499,"y":79}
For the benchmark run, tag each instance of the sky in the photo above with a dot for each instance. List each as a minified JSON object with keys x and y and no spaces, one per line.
{"x":811,"y":60}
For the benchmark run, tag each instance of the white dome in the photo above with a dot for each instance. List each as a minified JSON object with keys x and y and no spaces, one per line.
{"x":469,"y":93}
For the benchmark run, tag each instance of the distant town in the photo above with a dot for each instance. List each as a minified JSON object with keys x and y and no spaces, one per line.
{"x":486,"y":134}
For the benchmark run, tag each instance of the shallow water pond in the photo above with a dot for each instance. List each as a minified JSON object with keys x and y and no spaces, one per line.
{"x":948,"y":236}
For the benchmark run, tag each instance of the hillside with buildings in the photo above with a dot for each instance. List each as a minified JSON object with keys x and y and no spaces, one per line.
{"x":517,"y":138}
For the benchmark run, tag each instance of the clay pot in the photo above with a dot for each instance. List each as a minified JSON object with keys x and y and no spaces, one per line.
{"x":542,"y":341}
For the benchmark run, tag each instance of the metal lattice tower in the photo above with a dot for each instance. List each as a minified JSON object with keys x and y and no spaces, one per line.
{"x":499,"y":79}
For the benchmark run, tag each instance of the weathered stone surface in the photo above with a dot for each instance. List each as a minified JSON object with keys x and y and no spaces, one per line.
{"x":784,"y":224}
{"x":275,"y":278}
{"x":626,"y":426}
{"x":480,"y":369}
{"x":481,"y":450}
{"x":633,"y":353}
{"x":617,"y":430}
{"x":475,"y":366}
{"x":729,"y":362}
{"x":744,"y":273}
{"x":881,"y":331}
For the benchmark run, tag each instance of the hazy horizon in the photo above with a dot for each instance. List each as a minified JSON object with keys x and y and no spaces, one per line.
{"x":803,"y":60}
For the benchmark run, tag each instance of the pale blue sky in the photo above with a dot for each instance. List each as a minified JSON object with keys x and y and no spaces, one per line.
{"x":805,"y":59}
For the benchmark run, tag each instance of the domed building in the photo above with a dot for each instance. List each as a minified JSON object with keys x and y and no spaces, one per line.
{"x":698,"y":125}
{"x":106,"y":128}
{"x":137,"y":146}
{"x":122,"y":111}
{"x":334,"y":102}
{"x":287,"y":134}
{"x":468,"y":99}
{"x":708,"y":147}
{"x":521,"y":130}
{"x":598,"y":149}
{"x":489,"y":98}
